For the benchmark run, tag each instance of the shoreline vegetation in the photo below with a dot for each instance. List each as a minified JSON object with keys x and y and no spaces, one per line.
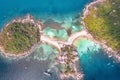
{"x":84,"y":33}
{"x":68,"y":59}
{"x":22,"y":30}
{"x":93,"y":26}
{"x":42,"y":38}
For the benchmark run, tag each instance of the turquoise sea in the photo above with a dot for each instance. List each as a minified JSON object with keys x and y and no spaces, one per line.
{"x":40,"y":9}
{"x":94,"y":62}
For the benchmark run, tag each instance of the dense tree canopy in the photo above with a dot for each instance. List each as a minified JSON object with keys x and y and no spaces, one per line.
{"x":103,"y":21}
{"x":19,"y":37}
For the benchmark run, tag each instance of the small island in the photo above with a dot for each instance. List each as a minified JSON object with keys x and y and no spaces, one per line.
{"x":68,"y":58}
{"x":19,"y":36}
{"x":101,"y":18}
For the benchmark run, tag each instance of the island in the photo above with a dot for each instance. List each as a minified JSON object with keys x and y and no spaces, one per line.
{"x":101,"y":24}
{"x":68,"y":59}
{"x":19,"y":37}
{"x":102,"y":20}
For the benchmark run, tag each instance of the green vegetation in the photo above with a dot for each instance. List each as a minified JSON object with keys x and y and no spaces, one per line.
{"x":19,"y":37}
{"x":103,"y":21}
{"x":68,"y":50}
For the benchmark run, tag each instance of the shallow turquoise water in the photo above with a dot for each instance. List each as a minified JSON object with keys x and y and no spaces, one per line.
{"x":31,"y":67}
{"x":40,"y":9}
{"x":62,"y":11}
{"x":44,"y":52}
{"x":60,"y":34}
{"x":95,"y":63}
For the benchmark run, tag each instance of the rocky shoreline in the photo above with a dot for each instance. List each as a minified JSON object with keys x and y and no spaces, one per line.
{"x":27,"y":19}
{"x":82,"y":34}
{"x":108,"y":49}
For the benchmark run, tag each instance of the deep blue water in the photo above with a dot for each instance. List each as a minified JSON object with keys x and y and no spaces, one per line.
{"x":25,"y":69}
{"x":40,"y":9}
{"x":95,"y":65}
{"x":98,"y":66}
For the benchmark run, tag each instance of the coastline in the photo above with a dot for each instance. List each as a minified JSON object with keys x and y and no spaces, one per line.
{"x":56,"y":43}
{"x":107,"y":49}
{"x":86,"y":10}
{"x":27,"y":19}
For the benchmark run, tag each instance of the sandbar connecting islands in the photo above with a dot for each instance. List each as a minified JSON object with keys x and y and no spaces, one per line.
{"x":68,"y":56}
{"x":31,"y":35}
